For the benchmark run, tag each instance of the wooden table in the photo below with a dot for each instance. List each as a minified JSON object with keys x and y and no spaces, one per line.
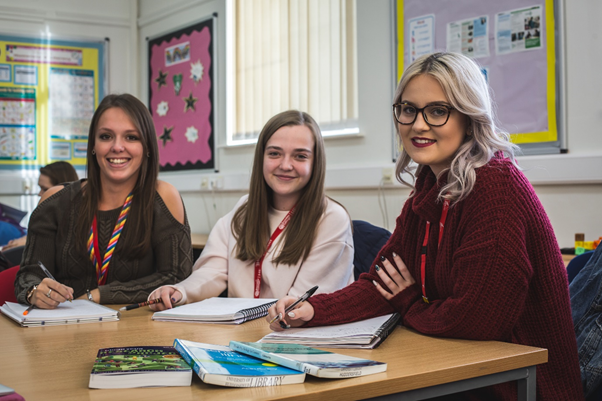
{"x":55,"y":363}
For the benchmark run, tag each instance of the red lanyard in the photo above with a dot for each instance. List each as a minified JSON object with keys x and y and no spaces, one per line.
{"x":425,"y":244}
{"x":259,"y":263}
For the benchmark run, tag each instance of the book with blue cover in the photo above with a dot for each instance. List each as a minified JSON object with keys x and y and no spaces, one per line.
{"x":312,"y":361}
{"x":219,"y":365}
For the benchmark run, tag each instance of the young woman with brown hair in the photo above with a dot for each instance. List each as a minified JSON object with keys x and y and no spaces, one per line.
{"x":116,"y":236}
{"x":283,"y":238}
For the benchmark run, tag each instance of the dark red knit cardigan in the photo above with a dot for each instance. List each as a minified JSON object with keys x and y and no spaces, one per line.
{"x":498,"y":275}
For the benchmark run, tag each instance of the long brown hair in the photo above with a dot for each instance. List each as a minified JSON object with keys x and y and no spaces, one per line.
{"x":59,"y":172}
{"x":252,"y":230}
{"x":140,"y":219}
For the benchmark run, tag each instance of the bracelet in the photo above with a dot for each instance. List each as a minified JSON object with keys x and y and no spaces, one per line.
{"x":30,"y":293}
{"x":90,"y":296}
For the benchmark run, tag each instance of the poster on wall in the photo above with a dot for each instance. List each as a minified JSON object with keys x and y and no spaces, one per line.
{"x":181,"y":96}
{"x":49,"y":90}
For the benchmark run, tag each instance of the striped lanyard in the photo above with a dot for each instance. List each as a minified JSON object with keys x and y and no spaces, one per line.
{"x":102,"y":266}
{"x":259,"y":263}
{"x":425,"y":244}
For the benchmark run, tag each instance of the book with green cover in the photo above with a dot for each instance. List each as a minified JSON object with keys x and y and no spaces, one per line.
{"x":144,"y":366}
{"x":312,"y":361}
{"x":219,"y":365}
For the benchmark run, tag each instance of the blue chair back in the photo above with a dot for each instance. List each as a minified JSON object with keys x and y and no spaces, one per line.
{"x":368,"y":239}
{"x":576,"y":264}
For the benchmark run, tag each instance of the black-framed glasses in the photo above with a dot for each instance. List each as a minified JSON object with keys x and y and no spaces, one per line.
{"x":434,"y":115}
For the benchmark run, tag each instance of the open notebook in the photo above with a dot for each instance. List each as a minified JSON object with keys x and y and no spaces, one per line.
{"x":78,"y":311}
{"x":218,"y":310}
{"x":369,"y":333}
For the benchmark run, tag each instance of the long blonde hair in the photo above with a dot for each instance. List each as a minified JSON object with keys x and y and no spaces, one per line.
{"x":467,"y":91}
{"x":252,"y":230}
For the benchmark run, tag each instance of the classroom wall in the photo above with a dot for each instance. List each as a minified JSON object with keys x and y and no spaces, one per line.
{"x":76,"y":20}
{"x":569,"y":186}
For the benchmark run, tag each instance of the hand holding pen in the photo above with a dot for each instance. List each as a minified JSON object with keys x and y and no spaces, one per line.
{"x":282,"y":312}
{"x":49,"y":293}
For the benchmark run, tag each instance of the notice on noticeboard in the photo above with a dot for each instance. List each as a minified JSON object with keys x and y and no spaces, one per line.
{"x":469,"y":37}
{"x":518,"y":30}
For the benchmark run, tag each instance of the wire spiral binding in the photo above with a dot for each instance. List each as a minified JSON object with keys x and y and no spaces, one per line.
{"x":256,"y":312}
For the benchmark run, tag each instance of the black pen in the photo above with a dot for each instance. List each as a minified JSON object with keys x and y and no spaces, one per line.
{"x":302,"y":298}
{"x":45,"y":270}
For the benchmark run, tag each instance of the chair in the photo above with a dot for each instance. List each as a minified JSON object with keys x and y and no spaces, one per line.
{"x":576,"y":264}
{"x":368,"y":239}
{"x":7,"y":285}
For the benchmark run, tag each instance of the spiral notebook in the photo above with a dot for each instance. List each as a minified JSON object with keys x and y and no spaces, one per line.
{"x":78,"y":311}
{"x":218,"y":310}
{"x":369,"y":334}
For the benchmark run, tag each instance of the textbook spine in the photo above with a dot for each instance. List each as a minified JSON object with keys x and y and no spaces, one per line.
{"x":184,"y":353}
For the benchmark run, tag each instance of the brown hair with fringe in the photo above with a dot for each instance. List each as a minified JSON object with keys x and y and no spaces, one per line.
{"x":252,"y":230}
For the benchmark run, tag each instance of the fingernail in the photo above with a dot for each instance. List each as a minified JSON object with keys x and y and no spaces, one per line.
{"x":382,"y":258}
{"x":173,"y":300}
{"x":394,"y":254}
{"x":376,"y":268}
{"x":291,"y":314}
{"x":283,"y":325}
{"x":375,"y":283}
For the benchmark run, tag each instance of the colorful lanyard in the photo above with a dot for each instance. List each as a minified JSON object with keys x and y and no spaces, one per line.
{"x":425,"y":243}
{"x":259,"y":263}
{"x":101,"y":272}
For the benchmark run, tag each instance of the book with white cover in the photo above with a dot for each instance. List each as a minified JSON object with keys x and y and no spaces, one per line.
{"x":312,"y":361}
{"x":218,"y":310}
{"x":78,"y":311}
{"x":369,"y":333}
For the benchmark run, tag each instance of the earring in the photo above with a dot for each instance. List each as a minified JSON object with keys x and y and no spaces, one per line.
{"x":147,"y":154}
{"x":93,"y":152}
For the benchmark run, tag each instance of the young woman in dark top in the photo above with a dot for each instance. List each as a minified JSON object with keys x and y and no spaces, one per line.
{"x":116,"y":236}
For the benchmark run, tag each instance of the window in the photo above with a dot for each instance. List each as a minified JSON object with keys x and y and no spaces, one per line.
{"x":292,"y":54}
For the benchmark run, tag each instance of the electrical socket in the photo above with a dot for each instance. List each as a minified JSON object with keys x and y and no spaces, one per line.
{"x":205,"y":183}
{"x":387,"y":177}
{"x":216,"y":182}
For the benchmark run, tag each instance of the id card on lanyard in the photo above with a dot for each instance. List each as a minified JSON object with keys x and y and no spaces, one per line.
{"x":425,"y":245}
{"x":259,"y":263}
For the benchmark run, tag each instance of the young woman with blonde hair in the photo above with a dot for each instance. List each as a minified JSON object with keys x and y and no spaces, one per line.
{"x":473,"y":254}
{"x":286,"y":236}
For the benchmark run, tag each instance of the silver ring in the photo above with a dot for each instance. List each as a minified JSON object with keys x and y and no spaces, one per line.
{"x":49,"y":291}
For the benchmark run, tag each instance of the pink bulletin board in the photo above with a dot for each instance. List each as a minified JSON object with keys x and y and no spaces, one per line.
{"x":181,"y":96}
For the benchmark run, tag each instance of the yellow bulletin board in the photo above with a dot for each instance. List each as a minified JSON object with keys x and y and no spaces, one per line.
{"x":49,"y":90}
{"x":514,"y":43}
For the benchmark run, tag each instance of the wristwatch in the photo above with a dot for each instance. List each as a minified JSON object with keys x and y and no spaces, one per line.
{"x":30,"y":292}
{"x":90,"y":298}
